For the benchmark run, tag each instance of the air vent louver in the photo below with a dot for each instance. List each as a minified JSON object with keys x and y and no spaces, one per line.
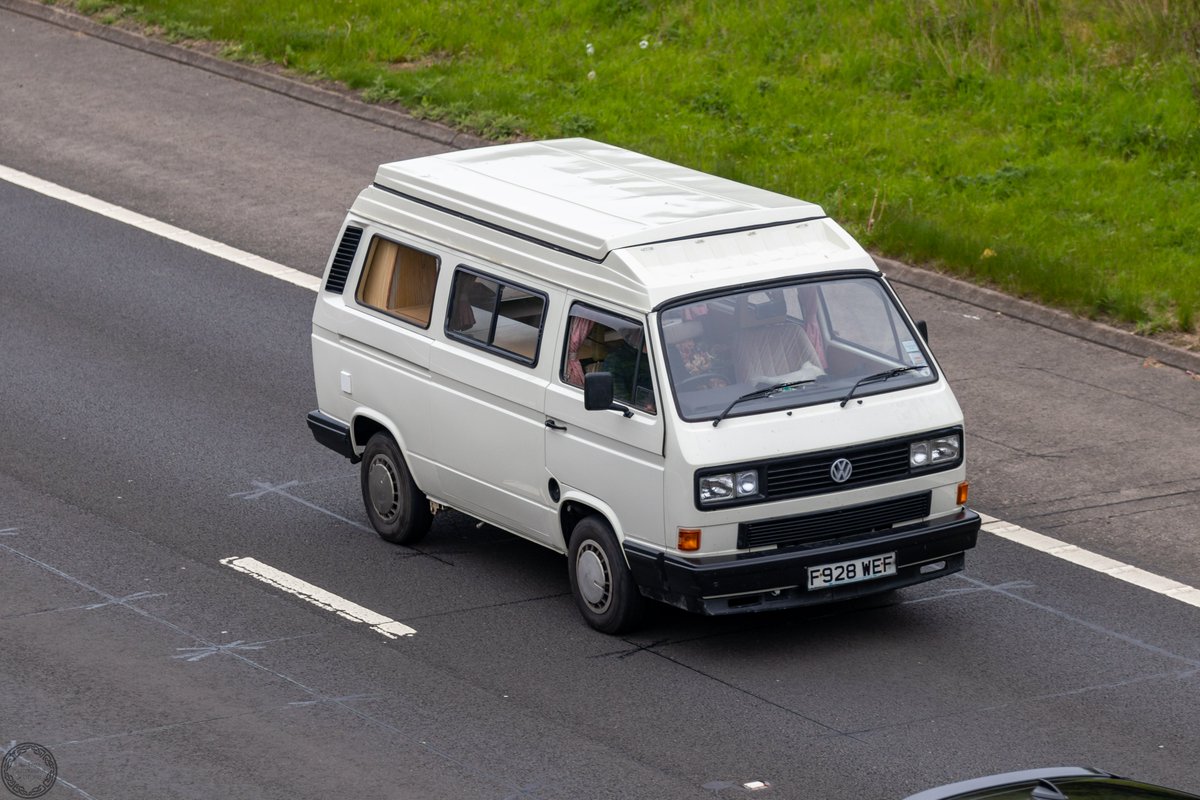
{"x":342,"y":260}
{"x":857,"y":522}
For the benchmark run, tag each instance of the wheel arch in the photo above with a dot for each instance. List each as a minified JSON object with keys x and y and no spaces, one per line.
{"x":576,"y":507}
{"x":365,"y":423}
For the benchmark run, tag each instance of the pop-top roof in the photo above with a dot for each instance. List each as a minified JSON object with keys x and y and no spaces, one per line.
{"x":587,"y":197}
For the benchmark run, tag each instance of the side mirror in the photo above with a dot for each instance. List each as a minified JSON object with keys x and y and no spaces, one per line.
{"x":923,"y":329}
{"x":598,"y":393}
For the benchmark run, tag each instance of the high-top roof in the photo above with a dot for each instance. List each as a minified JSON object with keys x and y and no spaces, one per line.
{"x":586,"y":197}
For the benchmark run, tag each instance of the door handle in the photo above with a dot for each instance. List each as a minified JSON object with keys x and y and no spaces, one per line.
{"x":554,"y":426}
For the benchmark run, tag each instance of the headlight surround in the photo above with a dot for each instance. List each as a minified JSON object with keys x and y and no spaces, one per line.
{"x":935,"y":452}
{"x":728,"y":486}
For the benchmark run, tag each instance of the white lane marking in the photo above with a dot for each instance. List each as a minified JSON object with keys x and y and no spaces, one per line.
{"x":318,"y":596}
{"x":1015,"y":533}
{"x":151,"y":225}
{"x":1093,"y":561}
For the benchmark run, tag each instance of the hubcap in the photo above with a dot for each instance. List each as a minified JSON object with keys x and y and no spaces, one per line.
{"x":381,"y":481}
{"x":592,"y":574}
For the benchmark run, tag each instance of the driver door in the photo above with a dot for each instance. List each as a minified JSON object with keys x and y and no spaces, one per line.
{"x":605,"y":455}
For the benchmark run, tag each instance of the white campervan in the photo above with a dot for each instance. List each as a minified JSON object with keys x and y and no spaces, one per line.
{"x":702,"y":392}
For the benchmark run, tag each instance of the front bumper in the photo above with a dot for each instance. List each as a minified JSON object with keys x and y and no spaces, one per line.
{"x":777,"y":578}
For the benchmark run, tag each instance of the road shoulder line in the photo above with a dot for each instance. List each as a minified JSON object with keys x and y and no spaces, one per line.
{"x":158,"y":228}
{"x":1093,"y":561}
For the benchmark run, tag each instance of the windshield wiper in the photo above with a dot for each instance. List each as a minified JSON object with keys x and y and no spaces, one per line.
{"x":876,"y":378}
{"x":767,"y":392}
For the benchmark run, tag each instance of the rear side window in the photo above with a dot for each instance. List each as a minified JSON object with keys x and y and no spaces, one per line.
{"x":399,"y":280}
{"x":495,"y":315}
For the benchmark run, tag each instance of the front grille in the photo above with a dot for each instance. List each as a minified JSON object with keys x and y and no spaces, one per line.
{"x":808,"y":475}
{"x":342,"y":260}
{"x":835,"y":524}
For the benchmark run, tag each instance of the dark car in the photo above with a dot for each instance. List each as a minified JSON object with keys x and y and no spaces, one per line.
{"x":1056,"y":783}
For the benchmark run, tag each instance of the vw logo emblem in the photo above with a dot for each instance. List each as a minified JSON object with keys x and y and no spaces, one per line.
{"x":840,"y":471}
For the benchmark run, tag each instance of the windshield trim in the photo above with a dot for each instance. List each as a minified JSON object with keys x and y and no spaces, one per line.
{"x":773,"y":283}
{"x":928,"y":374}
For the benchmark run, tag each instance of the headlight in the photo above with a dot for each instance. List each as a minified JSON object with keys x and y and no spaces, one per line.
{"x":944,"y":449}
{"x":932,"y":452}
{"x":728,"y":486}
{"x":715,"y":488}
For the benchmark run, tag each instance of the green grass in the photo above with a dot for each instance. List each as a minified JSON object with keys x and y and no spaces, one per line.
{"x":1049,"y":148}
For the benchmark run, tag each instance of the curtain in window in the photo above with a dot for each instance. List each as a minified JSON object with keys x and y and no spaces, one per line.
{"x":812,"y":323}
{"x":579,"y":330}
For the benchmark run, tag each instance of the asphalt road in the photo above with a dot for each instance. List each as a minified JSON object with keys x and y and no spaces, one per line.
{"x":152,"y":427}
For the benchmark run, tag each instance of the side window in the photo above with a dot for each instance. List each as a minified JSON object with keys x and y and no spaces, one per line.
{"x":601,"y":342}
{"x":399,"y":280}
{"x":495,"y":315}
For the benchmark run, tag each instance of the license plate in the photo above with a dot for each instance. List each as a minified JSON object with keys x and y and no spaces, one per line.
{"x":860,"y":569}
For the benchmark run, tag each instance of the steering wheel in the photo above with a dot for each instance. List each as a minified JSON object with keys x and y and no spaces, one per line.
{"x":693,"y":382}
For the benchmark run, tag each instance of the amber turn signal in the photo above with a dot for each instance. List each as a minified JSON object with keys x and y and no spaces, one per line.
{"x":689,"y":539}
{"x":962,"y":493}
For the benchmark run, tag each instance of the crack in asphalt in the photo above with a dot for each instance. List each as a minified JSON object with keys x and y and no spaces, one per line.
{"x":1136,"y":398}
{"x":1189,"y":493}
{"x":1141,"y":399}
{"x":738,"y":689}
{"x":1092,"y":626}
{"x":486,"y":606}
{"x":1137,"y":679}
{"x":1050,"y":526}
{"x":1005,"y":589}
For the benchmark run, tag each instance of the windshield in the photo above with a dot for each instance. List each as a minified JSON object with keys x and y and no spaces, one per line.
{"x":833,"y":340}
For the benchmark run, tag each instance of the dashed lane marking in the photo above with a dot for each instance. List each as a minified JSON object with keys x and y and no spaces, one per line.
{"x":319,"y":597}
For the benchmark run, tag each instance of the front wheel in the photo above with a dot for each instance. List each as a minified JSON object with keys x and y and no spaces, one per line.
{"x":398,"y":510}
{"x":601,"y":582}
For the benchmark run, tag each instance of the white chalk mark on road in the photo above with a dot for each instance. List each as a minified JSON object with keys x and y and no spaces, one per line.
{"x":158,"y":228}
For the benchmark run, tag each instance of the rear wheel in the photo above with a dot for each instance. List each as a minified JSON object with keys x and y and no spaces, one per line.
{"x":601,"y":582}
{"x":398,"y":510}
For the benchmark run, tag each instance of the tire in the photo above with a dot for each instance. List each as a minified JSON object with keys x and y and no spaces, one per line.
{"x":601,"y":582}
{"x":398,"y":510}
